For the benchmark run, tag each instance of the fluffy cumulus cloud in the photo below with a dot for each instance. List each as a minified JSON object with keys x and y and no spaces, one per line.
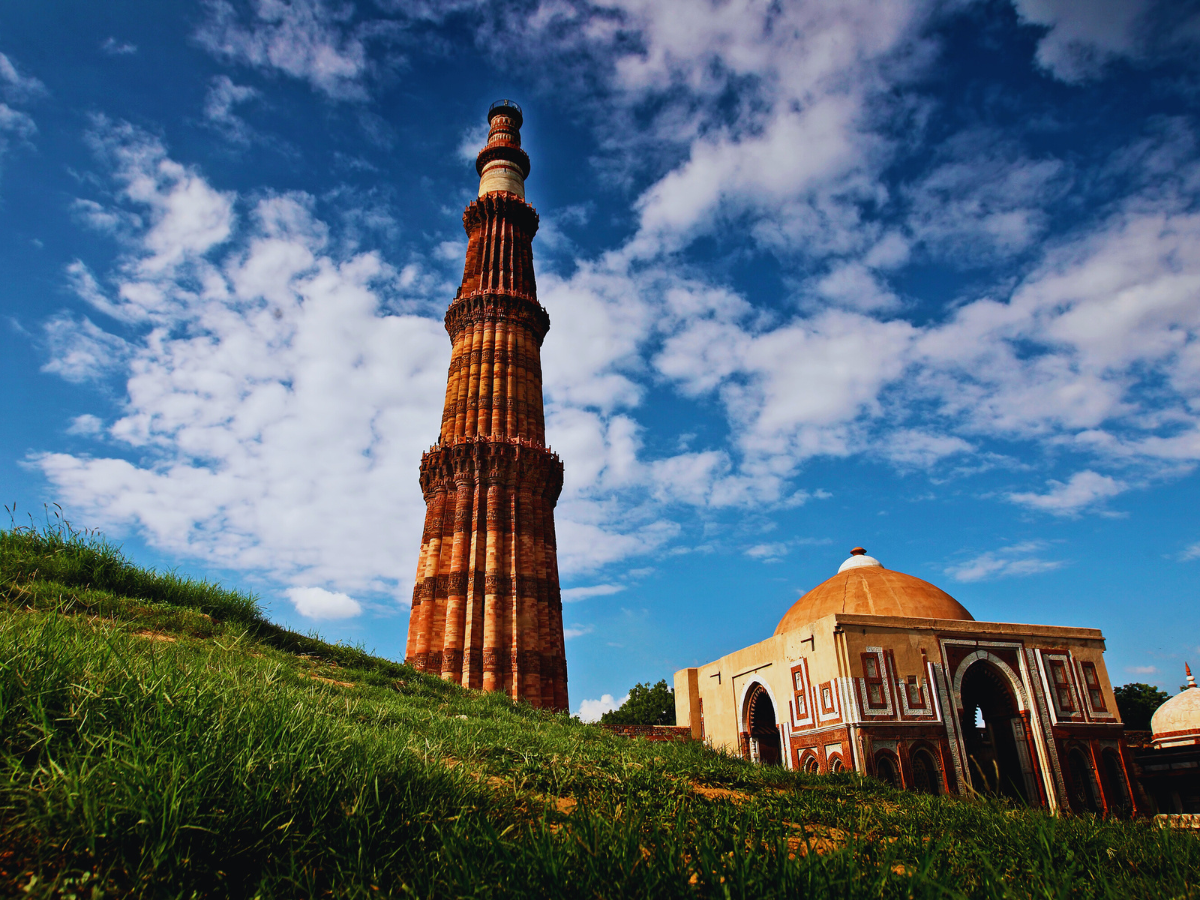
{"x":799,"y":152}
{"x":79,"y":350}
{"x":306,"y":39}
{"x":1083,"y":490}
{"x":318,"y":603}
{"x":219,"y":108}
{"x":1095,"y":347}
{"x":592,"y":710}
{"x":1081,"y":38}
{"x":273,"y":411}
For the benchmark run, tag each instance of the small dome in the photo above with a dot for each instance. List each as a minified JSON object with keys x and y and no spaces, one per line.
{"x":1177,"y":722}
{"x":862,"y":586}
{"x":858,"y":559}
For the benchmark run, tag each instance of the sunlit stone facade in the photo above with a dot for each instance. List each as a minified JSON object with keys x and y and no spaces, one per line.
{"x":885,"y":674}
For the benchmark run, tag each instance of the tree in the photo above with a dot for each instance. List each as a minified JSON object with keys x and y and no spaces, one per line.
{"x":647,"y":705}
{"x":1137,"y":702}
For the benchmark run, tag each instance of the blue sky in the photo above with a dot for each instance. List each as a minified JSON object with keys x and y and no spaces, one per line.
{"x":913,"y":275}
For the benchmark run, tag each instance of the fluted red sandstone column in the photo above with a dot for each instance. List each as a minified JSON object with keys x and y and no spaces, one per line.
{"x":487,"y":611}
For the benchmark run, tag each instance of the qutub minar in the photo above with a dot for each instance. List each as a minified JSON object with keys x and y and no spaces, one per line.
{"x":486,"y":610}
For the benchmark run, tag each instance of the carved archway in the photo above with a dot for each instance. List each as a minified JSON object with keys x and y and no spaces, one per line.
{"x":887,"y":768}
{"x":1116,"y":785}
{"x":760,"y":722}
{"x":926,"y":773}
{"x":1082,"y":788}
{"x":994,"y":729}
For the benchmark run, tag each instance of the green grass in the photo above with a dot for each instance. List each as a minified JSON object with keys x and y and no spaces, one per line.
{"x":219,"y":763}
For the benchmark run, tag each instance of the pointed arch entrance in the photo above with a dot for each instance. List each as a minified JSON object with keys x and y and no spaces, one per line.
{"x":995,"y":734}
{"x":759,"y":722}
{"x":1083,"y":782}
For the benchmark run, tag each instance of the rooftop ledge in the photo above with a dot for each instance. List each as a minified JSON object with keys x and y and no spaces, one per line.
{"x":954,"y":625}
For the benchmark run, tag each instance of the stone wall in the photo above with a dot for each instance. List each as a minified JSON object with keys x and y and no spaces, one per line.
{"x":671,"y":733}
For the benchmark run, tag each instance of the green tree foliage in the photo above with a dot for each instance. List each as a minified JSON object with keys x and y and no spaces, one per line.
{"x":647,"y":705}
{"x":1137,"y":702}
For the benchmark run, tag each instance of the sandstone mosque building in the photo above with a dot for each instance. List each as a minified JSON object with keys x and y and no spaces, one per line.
{"x":882,"y":673}
{"x":486,"y":609}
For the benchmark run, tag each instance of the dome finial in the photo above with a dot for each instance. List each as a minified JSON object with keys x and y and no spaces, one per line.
{"x":1191,"y":680}
{"x":859,"y":559}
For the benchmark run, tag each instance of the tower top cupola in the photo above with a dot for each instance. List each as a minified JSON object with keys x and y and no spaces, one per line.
{"x":502,"y":164}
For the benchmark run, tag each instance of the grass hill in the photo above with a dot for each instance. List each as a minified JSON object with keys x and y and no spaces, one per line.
{"x":160,"y":738}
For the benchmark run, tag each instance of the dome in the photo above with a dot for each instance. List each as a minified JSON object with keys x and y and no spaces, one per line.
{"x":1178,"y":720}
{"x":862,"y":586}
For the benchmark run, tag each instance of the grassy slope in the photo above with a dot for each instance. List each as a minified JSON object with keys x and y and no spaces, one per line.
{"x":159,"y":738}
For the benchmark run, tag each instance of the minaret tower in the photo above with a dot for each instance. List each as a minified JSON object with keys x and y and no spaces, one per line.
{"x":486,"y":610}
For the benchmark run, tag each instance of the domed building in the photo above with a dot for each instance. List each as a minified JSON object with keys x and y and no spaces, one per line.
{"x":885,"y":674}
{"x":1170,"y":771}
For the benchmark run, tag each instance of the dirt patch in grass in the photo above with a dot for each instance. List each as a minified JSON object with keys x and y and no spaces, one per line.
{"x":815,"y":839}
{"x":154,"y":636}
{"x":324,"y":680}
{"x":716,"y":793}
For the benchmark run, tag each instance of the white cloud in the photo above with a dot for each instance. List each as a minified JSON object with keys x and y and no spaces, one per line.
{"x":788,"y":163}
{"x":86,"y":425}
{"x":473,"y":139}
{"x":1142,"y":670}
{"x":274,"y":414}
{"x":186,"y":217}
{"x":1083,"y":37}
{"x":306,"y":39}
{"x":113,"y":47}
{"x":843,"y":360}
{"x":574,"y":631}
{"x":318,"y":603}
{"x":1084,"y":343}
{"x":915,"y":447}
{"x":15,"y":87}
{"x":984,"y":200}
{"x":574,"y":595}
{"x":15,"y":124}
{"x":1016,"y":560}
{"x":1086,"y":488}
{"x":1190,"y":553}
{"x":80,"y":350}
{"x":770,"y":552}
{"x":223,"y":95}
{"x":592,"y":710}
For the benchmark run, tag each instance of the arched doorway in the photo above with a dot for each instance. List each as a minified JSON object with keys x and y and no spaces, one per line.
{"x":886,"y":769}
{"x":998,"y":759}
{"x":810,"y":764}
{"x":762,"y":728}
{"x":927,"y":777}
{"x":1116,"y":790}
{"x":1083,"y":788}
